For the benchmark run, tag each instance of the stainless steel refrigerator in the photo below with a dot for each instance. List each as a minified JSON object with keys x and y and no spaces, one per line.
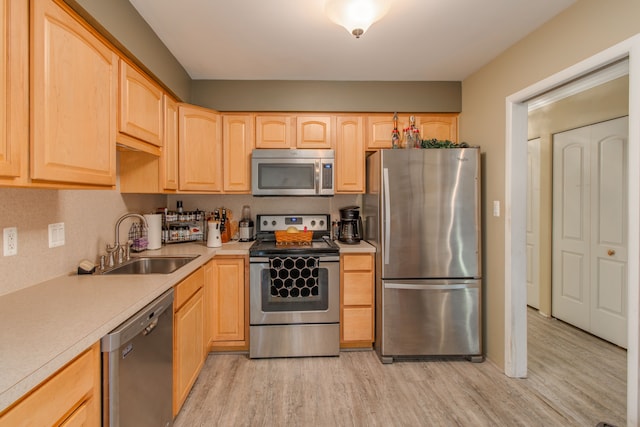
{"x":422,"y":213}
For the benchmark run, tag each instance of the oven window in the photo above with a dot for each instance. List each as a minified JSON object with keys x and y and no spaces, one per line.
{"x":277,"y":176}
{"x":294,"y":284}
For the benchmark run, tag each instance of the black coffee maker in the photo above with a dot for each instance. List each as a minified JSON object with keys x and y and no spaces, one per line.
{"x":350,"y":229}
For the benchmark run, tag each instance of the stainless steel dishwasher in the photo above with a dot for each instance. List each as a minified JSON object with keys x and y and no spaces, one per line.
{"x":137,"y":373}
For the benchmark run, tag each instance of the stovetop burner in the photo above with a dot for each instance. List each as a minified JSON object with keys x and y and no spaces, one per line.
{"x":319,"y":224}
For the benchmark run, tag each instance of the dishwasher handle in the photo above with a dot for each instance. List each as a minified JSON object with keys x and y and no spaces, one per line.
{"x":146,"y":331}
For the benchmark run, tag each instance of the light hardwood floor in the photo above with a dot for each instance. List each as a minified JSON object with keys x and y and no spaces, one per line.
{"x":574,"y":380}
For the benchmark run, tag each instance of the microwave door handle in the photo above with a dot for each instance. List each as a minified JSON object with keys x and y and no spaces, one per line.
{"x":317,"y":178}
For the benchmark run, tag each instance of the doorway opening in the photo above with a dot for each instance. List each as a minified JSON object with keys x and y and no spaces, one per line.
{"x":515,"y":203}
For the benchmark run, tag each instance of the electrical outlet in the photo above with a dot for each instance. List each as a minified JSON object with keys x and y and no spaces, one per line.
{"x":10,"y":240}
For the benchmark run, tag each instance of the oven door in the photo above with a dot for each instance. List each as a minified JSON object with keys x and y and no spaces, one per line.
{"x":287,"y":290}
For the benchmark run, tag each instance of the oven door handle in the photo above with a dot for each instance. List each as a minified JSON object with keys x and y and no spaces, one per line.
{"x":322,"y":259}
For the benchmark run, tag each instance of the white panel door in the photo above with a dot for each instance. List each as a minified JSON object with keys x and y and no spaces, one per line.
{"x":533,"y":223}
{"x":571,"y":223}
{"x":589,"y":229}
{"x":609,"y":231}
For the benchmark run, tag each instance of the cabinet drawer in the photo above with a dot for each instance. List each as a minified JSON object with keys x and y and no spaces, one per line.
{"x":55,"y":401}
{"x":357,"y":288}
{"x":185,"y":289}
{"x":357,"y":262}
{"x":357,"y":323}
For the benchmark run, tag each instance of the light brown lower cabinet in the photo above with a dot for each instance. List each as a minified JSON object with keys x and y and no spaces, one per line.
{"x":188,"y":344}
{"x":357,"y":300}
{"x":227,"y":304}
{"x":70,"y":397}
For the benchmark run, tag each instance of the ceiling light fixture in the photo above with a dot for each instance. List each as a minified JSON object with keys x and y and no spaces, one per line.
{"x":356,"y":15}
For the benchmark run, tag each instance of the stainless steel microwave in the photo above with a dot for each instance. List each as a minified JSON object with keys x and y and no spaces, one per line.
{"x":291,"y":172}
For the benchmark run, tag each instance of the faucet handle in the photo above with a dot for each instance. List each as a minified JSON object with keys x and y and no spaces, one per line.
{"x":110,"y":253}
{"x":127,"y":250}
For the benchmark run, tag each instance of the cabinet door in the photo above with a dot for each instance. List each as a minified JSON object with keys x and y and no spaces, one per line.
{"x":314,"y":131}
{"x":69,"y":396}
{"x":443,"y":126}
{"x":169,"y":154}
{"x":14,"y":97}
{"x":188,"y":348}
{"x":141,"y":115}
{"x":274,"y":131}
{"x":237,"y":144}
{"x":73,"y":93}
{"x":350,"y":154}
{"x":228,"y":298}
{"x":357,"y":324}
{"x":356,"y":300}
{"x":208,"y":302}
{"x":200,"y":149}
{"x":380,"y":129}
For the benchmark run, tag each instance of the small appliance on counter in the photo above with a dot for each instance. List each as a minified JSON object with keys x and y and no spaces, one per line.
{"x":245,"y":226}
{"x":214,"y":239}
{"x":350,"y":227}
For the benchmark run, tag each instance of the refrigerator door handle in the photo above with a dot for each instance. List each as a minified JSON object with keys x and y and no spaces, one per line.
{"x":387,"y":214}
{"x":427,"y":287}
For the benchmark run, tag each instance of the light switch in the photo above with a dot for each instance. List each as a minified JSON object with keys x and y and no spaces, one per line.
{"x":496,"y":208}
{"x":56,"y":234}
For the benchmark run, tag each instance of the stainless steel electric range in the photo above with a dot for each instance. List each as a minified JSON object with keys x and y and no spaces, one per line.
{"x":294,"y":290}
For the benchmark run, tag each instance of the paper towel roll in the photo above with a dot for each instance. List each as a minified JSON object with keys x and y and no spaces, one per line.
{"x":154,"y":232}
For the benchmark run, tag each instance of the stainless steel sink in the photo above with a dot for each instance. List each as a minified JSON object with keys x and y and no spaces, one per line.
{"x":151,"y":265}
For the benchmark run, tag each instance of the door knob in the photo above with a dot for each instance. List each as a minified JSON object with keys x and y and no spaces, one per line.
{"x":611,"y":252}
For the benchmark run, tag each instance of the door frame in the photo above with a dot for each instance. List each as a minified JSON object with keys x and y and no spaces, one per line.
{"x":515,"y":265}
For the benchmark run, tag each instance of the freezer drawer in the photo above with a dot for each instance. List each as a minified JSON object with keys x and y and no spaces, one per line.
{"x":429,"y":318}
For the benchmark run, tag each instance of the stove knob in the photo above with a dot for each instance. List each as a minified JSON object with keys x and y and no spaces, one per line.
{"x":313,"y":223}
{"x":273,"y":223}
{"x":264,"y":223}
{"x":321,"y":223}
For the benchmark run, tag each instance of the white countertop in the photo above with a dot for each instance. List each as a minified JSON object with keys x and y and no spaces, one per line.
{"x":45,"y":326}
{"x":360,"y":247}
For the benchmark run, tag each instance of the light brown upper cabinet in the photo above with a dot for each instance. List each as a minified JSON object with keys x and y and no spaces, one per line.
{"x":442,"y":126}
{"x":350,"y":154}
{"x":142,"y":172}
{"x":275,"y":131}
{"x":199,"y":149}
{"x":237,"y":144}
{"x":141,"y":111}
{"x":314,"y":131}
{"x":380,"y":129}
{"x":169,"y":155}
{"x":14,"y":97}
{"x":74,"y":79}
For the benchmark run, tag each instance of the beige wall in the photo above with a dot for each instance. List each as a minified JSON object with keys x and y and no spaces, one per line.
{"x":121,"y":23}
{"x":605,"y":102}
{"x":580,"y":31}
{"x":410,"y":97}
{"x":89,"y":217}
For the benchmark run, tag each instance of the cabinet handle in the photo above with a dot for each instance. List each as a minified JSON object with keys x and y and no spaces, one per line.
{"x":611,"y":252}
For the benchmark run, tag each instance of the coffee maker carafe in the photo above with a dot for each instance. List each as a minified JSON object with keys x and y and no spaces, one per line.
{"x":350,"y":229}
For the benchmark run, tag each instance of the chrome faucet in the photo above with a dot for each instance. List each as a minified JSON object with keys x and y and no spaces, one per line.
{"x":117,"y":251}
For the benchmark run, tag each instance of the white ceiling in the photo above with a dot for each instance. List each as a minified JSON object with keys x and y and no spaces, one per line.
{"x":418,"y":40}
